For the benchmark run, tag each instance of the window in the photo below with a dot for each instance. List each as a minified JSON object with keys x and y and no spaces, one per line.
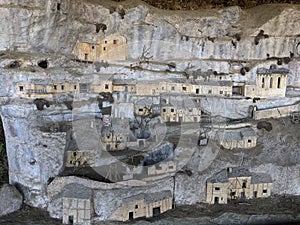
{"x":209,"y":91}
{"x":172,"y":110}
{"x":271,"y":82}
{"x":164,"y":110}
{"x":58,"y":5}
{"x":255,"y":194}
{"x":278,"y":82}
{"x":21,"y":88}
{"x":221,"y":92}
{"x":184,"y":88}
{"x":141,"y":109}
{"x":106,"y":86}
{"x":86,"y":56}
{"x":105,"y":42}
{"x":263,"y":82}
{"x":55,"y":87}
{"x":62,"y":87}
{"x":136,"y":206}
{"x":115,"y":42}
{"x":172,"y":88}
{"x":265,"y":191}
{"x":217,"y":189}
{"x":197,"y":91}
{"x":162,"y":88}
{"x":93,"y":47}
{"x":74,"y":154}
{"x":249,"y":141}
{"x":244,"y":184}
{"x":75,"y":87}
{"x":104,"y":48}
{"x":171,"y":167}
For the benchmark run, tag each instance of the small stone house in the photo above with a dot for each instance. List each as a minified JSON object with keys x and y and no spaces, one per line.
{"x":80,"y":158}
{"x":115,"y":136}
{"x":77,"y":205}
{"x":162,"y":168}
{"x":269,"y":83}
{"x":144,"y":205}
{"x":111,"y":48}
{"x":237,"y":183}
{"x":143,"y":107}
{"x":213,"y":88}
{"x":238,"y":138}
{"x":148,"y":88}
{"x":124,"y":85}
{"x":179,"y":109}
{"x":104,"y":84}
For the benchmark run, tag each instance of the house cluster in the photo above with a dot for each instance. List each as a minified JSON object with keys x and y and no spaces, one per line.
{"x":237,"y":183}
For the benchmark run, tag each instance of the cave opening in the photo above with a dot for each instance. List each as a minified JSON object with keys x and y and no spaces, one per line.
{"x":3,"y":157}
{"x":43,"y":64}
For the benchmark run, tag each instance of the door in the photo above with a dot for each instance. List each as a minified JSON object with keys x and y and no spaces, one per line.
{"x":130,"y":215}
{"x":243,"y":195}
{"x":108,"y":148}
{"x":141,"y":143}
{"x":156,"y":211}
{"x":71,"y":220}
{"x":216,"y":200}
{"x":255,"y":194}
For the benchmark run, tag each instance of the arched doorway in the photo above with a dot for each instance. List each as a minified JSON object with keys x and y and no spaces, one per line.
{"x":3,"y":157}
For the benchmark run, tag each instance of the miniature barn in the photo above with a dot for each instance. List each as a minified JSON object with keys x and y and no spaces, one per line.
{"x":77,"y":204}
{"x":237,"y":183}
{"x":238,"y":138}
{"x":144,"y":205}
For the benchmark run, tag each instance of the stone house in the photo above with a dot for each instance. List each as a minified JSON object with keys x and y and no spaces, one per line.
{"x":80,"y":158}
{"x":237,"y":183}
{"x":104,"y":84}
{"x":238,"y":138}
{"x":213,"y":88}
{"x":179,"y":109}
{"x":143,"y":107}
{"x":162,"y":168}
{"x":115,"y":136}
{"x":111,"y":48}
{"x":124,"y":85}
{"x":77,"y":204}
{"x":144,"y":205}
{"x":148,"y":87}
{"x":269,"y":83}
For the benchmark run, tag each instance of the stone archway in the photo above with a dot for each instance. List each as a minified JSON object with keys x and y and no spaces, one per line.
{"x":3,"y":157}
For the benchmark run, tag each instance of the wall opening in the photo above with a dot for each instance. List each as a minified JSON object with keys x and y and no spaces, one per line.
{"x":263,"y":82}
{"x":3,"y":157}
{"x":278,"y":83}
{"x":271,"y":82}
{"x":43,"y":64}
{"x":156,"y":211}
{"x":58,"y":6}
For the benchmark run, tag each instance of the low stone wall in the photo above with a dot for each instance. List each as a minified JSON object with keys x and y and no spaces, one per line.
{"x":276,"y":112}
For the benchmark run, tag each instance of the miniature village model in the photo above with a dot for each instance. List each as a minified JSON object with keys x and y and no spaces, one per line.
{"x":135,"y":111}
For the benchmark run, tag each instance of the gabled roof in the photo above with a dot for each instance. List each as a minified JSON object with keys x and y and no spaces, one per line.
{"x":77,"y":191}
{"x":149,"y":197}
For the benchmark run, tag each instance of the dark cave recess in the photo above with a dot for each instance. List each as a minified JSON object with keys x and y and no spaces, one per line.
{"x":198,"y":4}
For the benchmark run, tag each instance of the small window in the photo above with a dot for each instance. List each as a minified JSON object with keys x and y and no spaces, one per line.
{"x":58,"y":6}
{"x":244,"y":184}
{"x":249,"y":141}
{"x":21,"y":88}
{"x":172,"y":110}
{"x":86,"y":56}
{"x":209,"y":91}
{"x":74,"y":154}
{"x":263,"y":82}
{"x":55,"y":87}
{"x":62,"y":87}
{"x":164,"y":110}
{"x":93,"y":47}
{"x":173,"y":88}
{"x":75,"y":87}
{"x":184,"y":88}
{"x":104,"y":48}
{"x":265,"y":191}
{"x":271,"y":82}
{"x":221,"y":92}
{"x":190,"y":110}
{"x":171,"y":167}
{"x":217,"y":189}
{"x":105,"y":42}
{"x":141,"y":109}
{"x":136,"y":206}
{"x":278,"y":82}
{"x":162,"y":88}
{"x":197,"y":91}
{"x":115,"y":42}
{"x":106,"y":86}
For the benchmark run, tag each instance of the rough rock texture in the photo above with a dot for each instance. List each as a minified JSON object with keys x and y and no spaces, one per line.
{"x":11,"y":199}
{"x":220,"y":41}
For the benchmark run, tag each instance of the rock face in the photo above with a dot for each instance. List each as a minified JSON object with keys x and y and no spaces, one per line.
{"x":211,"y":43}
{"x":11,"y":199}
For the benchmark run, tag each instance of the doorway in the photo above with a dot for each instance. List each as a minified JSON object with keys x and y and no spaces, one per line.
{"x":156,"y":211}
{"x":71,"y":220}
{"x":3,"y":157}
{"x":216,"y":200}
{"x":130,"y":215}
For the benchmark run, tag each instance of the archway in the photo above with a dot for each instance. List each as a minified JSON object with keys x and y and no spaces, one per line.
{"x":3,"y":157}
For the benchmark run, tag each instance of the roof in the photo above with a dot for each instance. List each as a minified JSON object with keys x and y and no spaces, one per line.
{"x":124,"y":82}
{"x":224,"y":175}
{"x":237,"y":134}
{"x":273,"y":70}
{"x":150,"y":197}
{"x":76,"y":191}
{"x":216,"y":83}
{"x":180,"y":102}
{"x":260,"y":178}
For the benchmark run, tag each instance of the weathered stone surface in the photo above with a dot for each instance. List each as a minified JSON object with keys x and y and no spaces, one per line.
{"x":11,"y":199}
